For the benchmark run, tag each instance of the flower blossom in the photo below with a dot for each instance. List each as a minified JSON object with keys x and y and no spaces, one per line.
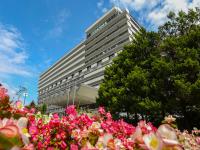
{"x":3,"y":92}
{"x":8,"y":128}
{"x":169,"y":119}
{"x":70,"y":110}
{"x":101,"y":110}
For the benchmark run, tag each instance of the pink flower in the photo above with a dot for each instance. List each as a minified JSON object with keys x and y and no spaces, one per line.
{"x":54,"y":122}
{"x":35,"y":138}
{"x":73,"y":147}
{"x":84,"y":120}
{"x":146,"y":127}
{"x":58,"y":137}
{"x":18,"y":104}
{"x":137,"y":136}
{"x":71,"y":110}
{"x":63,"y":145}
{"x":8,"y":128}
{"x":168,"y":134}
{"x":198,"y":140}
{"x":63,"y":135}
{"x":101,"y":110}
{"x":40,"y":145}
{"x":32,"y":110}
{"x":108,"y":115}
{"x":76,"y":134}
{"x":33,"y":130}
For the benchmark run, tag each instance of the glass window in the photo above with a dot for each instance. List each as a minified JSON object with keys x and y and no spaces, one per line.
{"x":99,"y":63}
{"x":88,"y":68}
{"x":111,"y":56}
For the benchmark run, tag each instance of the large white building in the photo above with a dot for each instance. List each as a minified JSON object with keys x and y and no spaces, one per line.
{"x":75,"y":78}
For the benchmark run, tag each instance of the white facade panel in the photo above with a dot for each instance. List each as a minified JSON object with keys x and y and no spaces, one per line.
{"x":94,"y":72}
{"x":94,"y":80}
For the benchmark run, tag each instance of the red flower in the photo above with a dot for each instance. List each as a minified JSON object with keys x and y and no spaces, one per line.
{"x":3,"y":93}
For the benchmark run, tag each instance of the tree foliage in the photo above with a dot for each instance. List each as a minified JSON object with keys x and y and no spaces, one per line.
{"x":158,"y":73}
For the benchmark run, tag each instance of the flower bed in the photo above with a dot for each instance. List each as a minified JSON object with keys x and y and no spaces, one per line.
{"x":21,"y":128}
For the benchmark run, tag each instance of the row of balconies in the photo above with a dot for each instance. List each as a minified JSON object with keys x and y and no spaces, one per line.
{"x":70,"y":70}
{"x":106,"y":33}
{"x":64,"y":60}
{"x":89,"y":68}
{"x":102,"y":25}
{"x":107,"y":42}
{"x":61,"y":91}
{"x":96,"y":36}
{"x":79,"y":79}
{"x":105,"y":48}
{"x":78,"y":58}
{"x":80,"y":71}
{"x":62,"y":84}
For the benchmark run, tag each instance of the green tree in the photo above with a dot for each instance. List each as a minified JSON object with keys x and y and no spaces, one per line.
{"x":126,"y":87}
{"x":181,"y":42}
{"x":43,"y":108}
{"x":158,"y":73}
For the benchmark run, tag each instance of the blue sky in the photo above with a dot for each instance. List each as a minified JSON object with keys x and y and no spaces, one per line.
{"x":36,"y":33}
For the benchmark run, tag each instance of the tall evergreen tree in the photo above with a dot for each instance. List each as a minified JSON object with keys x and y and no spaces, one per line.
{"x":158,"y":73}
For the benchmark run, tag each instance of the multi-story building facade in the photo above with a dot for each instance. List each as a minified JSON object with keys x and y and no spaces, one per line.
{"x":75,"y":78}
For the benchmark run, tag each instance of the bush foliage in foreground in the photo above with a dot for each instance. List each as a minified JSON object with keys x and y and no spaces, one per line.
{"x":22,"y":128}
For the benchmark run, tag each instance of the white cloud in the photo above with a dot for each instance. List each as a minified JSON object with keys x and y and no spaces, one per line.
{"x":158,"y":15}
{"x":104,"y":10}
{"x":155,"y":11}
{"x":194,"y":3}
{"x":12,"y":53}
{"x":59,"y":24}
{"x":100,"y":5}
{"x":135,"y":4}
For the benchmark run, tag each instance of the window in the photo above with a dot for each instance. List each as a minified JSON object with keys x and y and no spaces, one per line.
{"x":111,"y":56}
{"x":88,"y":35}
{"x":99,"y":63}
{"x":88,"y":68}
{"x":72,"y":75}
{"x":98,"y":28}
{"x":80,"y":71}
